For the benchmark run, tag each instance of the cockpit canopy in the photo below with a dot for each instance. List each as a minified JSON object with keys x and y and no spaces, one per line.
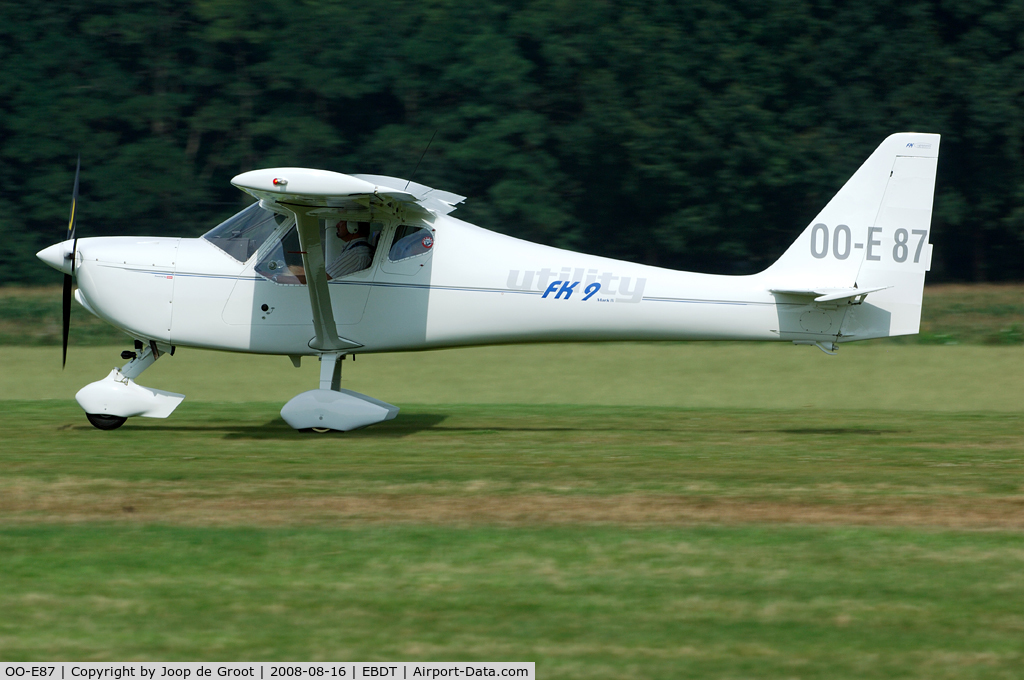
{"x":242,"y":234}
{"x":349,"y":246}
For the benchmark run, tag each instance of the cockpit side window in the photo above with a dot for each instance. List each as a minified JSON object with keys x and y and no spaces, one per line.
{"x":409,"y":242}
{"x":242,"y":234}
{"x":283,"y":264}
{"x":348,"y":246}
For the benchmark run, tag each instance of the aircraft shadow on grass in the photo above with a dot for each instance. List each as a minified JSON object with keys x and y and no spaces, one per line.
{"x":421,"y":422}
{"x":835,"y":430}
{"x":392,"y":429}
{"x":410,"y":424}
{"x":279,"y":429}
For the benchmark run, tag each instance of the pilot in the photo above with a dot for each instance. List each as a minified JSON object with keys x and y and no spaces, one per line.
{"x":357,"y":253}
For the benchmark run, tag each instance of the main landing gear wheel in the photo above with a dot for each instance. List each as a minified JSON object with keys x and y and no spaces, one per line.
{"x":105,"y":422}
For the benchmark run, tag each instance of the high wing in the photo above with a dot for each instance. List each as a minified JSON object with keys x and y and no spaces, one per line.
{"x":311,"y":194}
{"x":326,"y":189}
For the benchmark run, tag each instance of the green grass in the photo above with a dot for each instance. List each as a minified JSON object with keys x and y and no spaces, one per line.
{"x":32,"y":316}
{"x":991,"y":314}
{"x":871,"y":375}
{"x":608,"y":511}
{"x":582,"y":602}
{"x":600,"y":542}
{"x":941,"y":469}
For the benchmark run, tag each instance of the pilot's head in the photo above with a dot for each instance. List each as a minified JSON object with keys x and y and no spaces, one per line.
{"x":352,"y":230}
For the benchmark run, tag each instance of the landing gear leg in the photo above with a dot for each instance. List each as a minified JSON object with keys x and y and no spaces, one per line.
{"x":330,"y":378}
{"x":140,"y":361}
{"x":330,"y":371}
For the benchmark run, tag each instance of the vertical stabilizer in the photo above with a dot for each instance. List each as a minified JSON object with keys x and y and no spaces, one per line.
{"x":872,"y":236}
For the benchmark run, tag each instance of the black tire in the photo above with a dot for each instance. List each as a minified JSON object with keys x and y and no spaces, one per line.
{"x":105,"y":422}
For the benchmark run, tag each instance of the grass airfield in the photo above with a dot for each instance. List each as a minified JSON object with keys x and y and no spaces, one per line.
{"x":608,"y":511}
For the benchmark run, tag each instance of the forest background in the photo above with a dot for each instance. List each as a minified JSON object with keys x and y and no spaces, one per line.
{"x":695,"y":135}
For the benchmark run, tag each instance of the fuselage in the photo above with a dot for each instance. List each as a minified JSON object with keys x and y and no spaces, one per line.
{"x":329,"y":264}
{"x":473,"y":287}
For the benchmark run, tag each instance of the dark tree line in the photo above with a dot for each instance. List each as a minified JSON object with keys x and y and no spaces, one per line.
{"x":696,"y":135}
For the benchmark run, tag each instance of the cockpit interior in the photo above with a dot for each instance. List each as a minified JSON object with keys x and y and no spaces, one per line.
{"x":350,"y":246}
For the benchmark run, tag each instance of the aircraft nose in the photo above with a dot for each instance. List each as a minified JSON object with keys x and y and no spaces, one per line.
{"x":57,"y":256}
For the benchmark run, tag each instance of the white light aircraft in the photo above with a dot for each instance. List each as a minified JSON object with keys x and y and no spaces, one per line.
{"x":328,"y":265}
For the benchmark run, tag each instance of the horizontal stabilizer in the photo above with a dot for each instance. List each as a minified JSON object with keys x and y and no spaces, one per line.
{"x":852,"y":295}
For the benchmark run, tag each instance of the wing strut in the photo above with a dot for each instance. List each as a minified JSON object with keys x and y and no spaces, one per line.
{"x":308,"y":228}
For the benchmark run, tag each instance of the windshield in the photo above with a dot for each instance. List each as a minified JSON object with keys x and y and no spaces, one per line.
{"x":242,"y":234}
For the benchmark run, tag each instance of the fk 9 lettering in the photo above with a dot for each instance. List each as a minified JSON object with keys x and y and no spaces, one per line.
{"x":839,"y":243}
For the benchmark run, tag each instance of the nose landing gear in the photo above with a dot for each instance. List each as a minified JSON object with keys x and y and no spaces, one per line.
{"x":108,"y":403}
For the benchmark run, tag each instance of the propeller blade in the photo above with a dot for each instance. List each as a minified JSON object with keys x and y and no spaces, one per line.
{"x":74,"y":200}
{"x":66,"y":312}
{"x":67,"y":317}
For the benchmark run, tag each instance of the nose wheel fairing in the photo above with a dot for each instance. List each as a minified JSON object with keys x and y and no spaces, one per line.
{"x":119,"y":395}
{"x":110,"y":401}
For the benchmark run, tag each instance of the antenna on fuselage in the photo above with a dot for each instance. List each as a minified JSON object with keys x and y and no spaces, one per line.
{"x":409,"y":181}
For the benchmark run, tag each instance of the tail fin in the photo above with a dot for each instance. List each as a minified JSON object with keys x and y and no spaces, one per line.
{"x":871,"y":237}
